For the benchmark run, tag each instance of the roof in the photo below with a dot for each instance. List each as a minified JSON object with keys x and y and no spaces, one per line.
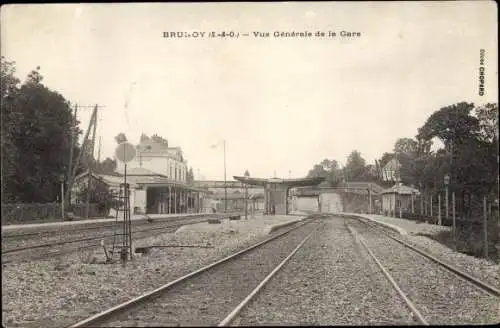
{"x":392,"y":165}
{"x":362,"y":185}
{"x":287,"y":182}
{"x":110,"y":180}
{"x":401,"y":190}
{"x":359,"y":187}
{"x":140,"y":176}
{"x":141,"y":171}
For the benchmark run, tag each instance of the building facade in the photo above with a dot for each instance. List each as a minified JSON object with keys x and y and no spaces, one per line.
{"x":150,"y":193}
{"x":155,"y":155}
{"x":390,"y":172}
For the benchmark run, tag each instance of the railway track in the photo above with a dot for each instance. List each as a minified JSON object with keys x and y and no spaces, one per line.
{"x":214,"y":294}
{"x":11,"y":236}
{"x":60,"y":247}
{"x":434,"y":291}
{"x":453,"y":269}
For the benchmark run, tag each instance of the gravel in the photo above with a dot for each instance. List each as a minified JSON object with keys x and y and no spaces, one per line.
{"x":440,"y":296}
{"x":62,"y":233}
{"x":89,"y":239}
{"x":482,"y":269}
{"x":59,"y":291}
{"x":410,"y":226}
{"x":327,"y":282}
{"x":207,"y":298}
{"x":485,"y":270}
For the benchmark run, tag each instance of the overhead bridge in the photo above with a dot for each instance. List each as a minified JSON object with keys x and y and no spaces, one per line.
{"x":219,"y":184}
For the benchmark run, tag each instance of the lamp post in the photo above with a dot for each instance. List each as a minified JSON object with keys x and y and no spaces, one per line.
{"x":446,"y":183}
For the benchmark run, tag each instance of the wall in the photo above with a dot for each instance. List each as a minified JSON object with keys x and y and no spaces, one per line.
{"x":388,"y":202}
{"x":330,"y":203}
{"x":305,"y":203}
{"x":160,"y":165}
{"x":140,"y":200}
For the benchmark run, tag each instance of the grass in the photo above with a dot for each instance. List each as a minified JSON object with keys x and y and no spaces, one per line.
{"x":470,"y":240}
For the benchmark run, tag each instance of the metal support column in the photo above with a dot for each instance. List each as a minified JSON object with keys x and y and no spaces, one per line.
{"x":169,"y":199}
{"x":175,"y":200}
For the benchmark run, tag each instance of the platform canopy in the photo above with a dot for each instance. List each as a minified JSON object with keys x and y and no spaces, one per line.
{"x":303,"y":182}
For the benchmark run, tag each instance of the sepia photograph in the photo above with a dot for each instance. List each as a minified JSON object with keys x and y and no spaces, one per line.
{"x":250,"y":164}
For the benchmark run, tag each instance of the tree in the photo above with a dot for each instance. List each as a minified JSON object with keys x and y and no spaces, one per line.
{"x":487,"y":116}
{"x":37,"y":135}
{"x":355,"y":166}
{"x":100,"y":194}
{"x":329,"y":169}
{"x":470,"y":156}
{"x":405,"y":146}
{"x":452,"y":125}
{"x":405,"y":151}
{"x":9,"y":92}
{"x":108,"y":166}
{"x":121,"y":137}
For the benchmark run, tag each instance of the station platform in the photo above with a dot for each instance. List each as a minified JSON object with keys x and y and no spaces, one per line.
{"x":63,"y":225}
{"x":402,"y":226}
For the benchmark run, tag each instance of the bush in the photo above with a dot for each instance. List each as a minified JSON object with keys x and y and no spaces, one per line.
{"x":470,"y":239}
{"x":100,"y":196}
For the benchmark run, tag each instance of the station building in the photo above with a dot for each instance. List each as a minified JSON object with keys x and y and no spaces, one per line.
{"x":157,"y":178}
{"x":399,"y":197}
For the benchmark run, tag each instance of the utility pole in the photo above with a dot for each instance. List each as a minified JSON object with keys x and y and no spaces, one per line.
{"x":92,"y":148}
{"x":71,"y":150}
{"x":74,"y":168}
{"x":99,"y":150}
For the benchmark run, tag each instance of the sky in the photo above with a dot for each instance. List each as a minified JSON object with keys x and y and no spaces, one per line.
{"x":282,"y":104}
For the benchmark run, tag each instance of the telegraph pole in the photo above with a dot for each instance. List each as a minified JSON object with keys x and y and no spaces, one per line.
{"x":92,"y":148}
{"x":71,"y":150}
{"x":99,"y":150}
{"x":74,"y":168}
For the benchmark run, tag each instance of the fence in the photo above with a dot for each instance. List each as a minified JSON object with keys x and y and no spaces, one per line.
{"x":475,"y":225}
{"x":33,"y":212}
{"x":21,"y":212}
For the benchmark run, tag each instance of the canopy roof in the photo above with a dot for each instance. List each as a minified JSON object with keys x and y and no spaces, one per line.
{"x":401,"y":189}
{"x":286,"y":182}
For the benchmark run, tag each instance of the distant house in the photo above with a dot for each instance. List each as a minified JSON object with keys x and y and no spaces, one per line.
{"x":390,"y":171}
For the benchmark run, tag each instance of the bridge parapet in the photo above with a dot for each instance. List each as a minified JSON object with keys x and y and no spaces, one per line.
{"x":219,"y":184}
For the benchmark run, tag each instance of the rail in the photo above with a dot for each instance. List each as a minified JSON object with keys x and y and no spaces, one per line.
{"x":123,"y":307}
